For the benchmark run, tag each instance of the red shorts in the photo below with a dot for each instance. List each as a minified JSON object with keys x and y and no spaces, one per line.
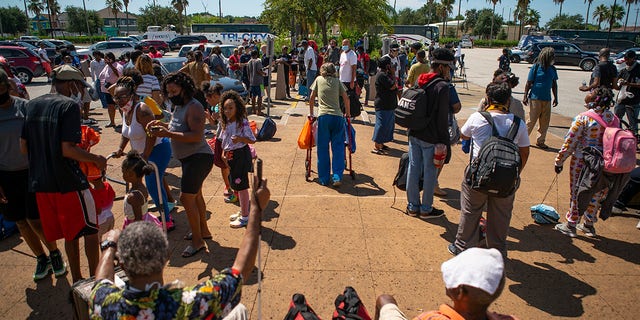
{"x":68,"y":215}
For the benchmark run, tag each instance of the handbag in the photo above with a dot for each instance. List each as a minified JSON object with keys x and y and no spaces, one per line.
{"x":305,"y":139}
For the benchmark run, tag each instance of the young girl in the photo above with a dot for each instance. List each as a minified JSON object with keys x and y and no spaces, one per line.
{"x":103,"y":196}
{"x":134,"y":168}
{"x":212,"y":94}
{"x":236,"y":135}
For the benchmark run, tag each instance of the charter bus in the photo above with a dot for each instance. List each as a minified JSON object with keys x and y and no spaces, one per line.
{"x":592,"y":40}
{"x":231,"y":33}
{"x":410,"y":33}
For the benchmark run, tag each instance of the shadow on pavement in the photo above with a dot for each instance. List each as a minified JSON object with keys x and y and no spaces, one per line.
{"x":530,"y":237}
{"x":624,"y":250}
{"x":52,"y":290}
{"x":532,"y":286}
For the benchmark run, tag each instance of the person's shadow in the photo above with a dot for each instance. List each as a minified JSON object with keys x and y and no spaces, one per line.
{"x":543,"y":238}
{"x":564,"y":300}
{"x":50,"y":299}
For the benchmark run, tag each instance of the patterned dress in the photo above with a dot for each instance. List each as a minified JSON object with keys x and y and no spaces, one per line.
{"x":584,"y":132}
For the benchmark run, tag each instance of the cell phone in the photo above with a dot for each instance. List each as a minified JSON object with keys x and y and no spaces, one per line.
{"x":259,"y":170}
{"x":155,"y":128}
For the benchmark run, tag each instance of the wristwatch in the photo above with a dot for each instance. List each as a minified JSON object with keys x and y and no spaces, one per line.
{"x":106,"y":244}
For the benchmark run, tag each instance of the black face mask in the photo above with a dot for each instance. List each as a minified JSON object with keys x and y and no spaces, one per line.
{"x":176,"y":100}
{"x":4,"y":97}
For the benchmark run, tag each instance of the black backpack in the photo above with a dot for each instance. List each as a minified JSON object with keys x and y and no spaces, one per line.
{"x":412,"y":111}
{"x":300,"y":310}
{"x":496,"y":169}
{"x":355,"y":107}
{"x":373,"y":67}
{"x":268,"y":130}
{"x":350,"y":307}
{"x":400,"y":180}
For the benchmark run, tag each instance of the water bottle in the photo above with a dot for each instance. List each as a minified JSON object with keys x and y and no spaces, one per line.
{"x":439,"y":155}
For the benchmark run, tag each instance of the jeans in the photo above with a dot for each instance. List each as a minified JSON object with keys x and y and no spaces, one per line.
{"x":311,"y":76}
{"x":160,"y":155}
{"x":420,"y":163}
{"x":632,"y":114}
{"x":330,"y":130}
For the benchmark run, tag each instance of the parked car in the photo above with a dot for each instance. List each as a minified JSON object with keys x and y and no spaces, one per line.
{"x":26,"y":63}
{"x":29,"y":38}
{"x":136,"y":37}
{"x":169,"y":65}
{"x":180,"y":41}
{"x":466,"y":43}
{"x":158,"y":44}
{"x":567,"y":54}
{"x":60,"y":43}
{"x":226,"y":49}
{"x":618,"y":59}
{"x":518,"y":55}
{"x":116,"y":47}
{"x":127,"y":39}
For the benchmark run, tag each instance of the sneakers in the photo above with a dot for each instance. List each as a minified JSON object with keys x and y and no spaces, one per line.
{"x":43,"y":268}
{"x":542,"y":146}
{"x":89,"y":122}
{"x":435,"y":213}
{"x":235,"y":216}
{"x":58,"y":264}
{"x":411,"y":213}
{"x":566,"y":229}
{"x":453,"y":249}
{"x":588,"y":229}
{"x":617,"y":210}
{"x":227,"y":193}
{"x":239,"y":223}
{"x":336,"y":181}
{"x":232,"y":198}
{"x":172,"y":205}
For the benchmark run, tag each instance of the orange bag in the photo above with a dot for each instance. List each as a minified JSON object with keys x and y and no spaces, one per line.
{"x":90,"y":138}
{"x":305,"y":139}
{"x":254,"y":127}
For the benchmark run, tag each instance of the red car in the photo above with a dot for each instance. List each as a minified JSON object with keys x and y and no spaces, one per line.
{"x":158,"y":44}
{"x":26,"y":63}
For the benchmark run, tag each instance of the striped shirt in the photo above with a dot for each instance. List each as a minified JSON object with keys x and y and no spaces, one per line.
{"x":150,"y":83}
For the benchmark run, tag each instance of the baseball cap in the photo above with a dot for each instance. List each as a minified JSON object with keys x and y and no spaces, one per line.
{"x":474,"y":267}
{"x":67,"y":73}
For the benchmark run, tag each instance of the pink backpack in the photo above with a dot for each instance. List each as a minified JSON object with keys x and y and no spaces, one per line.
{"x":619,"y":146}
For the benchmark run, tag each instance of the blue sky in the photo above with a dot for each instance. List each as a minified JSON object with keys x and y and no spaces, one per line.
{"x":253,"y":7}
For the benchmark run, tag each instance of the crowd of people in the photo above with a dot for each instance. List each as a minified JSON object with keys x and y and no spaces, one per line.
{"x":52,"y":198}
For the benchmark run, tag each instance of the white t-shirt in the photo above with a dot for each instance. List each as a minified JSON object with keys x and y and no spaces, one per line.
{"x":394,"y":63}
{"x":347,"y":59}
{"x":479,"y":130}
{"x":43,"y":54}
{"x":309,"y":54}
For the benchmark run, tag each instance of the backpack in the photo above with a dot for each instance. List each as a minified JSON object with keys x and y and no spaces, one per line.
{"x":618,"y":145}
{"x":412,"y":111}
{"x":355,"y":107}
{"x":300,"y":310}
{"x":373,"y":67}
{"x":400,"y":180}
{"x":496,"y":170}
{"x":350,"y":307}
{"x":268,"y":130}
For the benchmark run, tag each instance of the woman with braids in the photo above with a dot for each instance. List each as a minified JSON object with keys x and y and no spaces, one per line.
{"x":136,"y":116}
{"x":186,"y":132}
{"x":585,"y":132}
{"x":108,"y":76}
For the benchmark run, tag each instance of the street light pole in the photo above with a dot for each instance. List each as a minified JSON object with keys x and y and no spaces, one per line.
{"x":636,"y":23}
{"x":86,"y":17}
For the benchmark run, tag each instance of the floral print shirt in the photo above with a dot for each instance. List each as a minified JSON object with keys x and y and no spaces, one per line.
{"x":584,"y":132}
{"x":212,"y":299}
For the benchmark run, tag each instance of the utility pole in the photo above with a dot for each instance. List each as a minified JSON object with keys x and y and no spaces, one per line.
{"x":220,"y":8}
{"x":86,"y":17}
{"x":26,"y":13}
{"x":636,"y":23}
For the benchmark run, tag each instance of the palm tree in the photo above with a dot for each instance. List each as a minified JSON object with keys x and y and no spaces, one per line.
{"x":185,"y":4}
{"x":600,"y":13}
{"x":586,"y":22}
{"x":559,"y":2}
{"x":615,"y":13}
{"x":493,"y":14}
{"x":532,"y":17}
{"x":126,"y":11}
{"x":36,"y":6}
{"x":629,"y":3}
{"x":55,"y":11}
{"x":445,"y":8}
{"x":520,"y":12}
{"x":116,"y":6}
{"x":177,"y":4}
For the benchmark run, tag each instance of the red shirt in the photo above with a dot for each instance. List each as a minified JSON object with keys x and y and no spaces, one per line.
{"x":233,"y":62}
{"x":364,"y":61}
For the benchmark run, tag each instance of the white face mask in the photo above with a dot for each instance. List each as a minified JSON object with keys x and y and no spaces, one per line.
{"x":77,"y":98}
{"x":127,"y":107}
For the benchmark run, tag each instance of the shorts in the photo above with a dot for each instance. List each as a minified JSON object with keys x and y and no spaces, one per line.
{"x":255,"y":91}
{"x":21,"y":203}
{"x":240,"y":165}
{"x":105,"y":227}
{"x":68,"y":215}
{"x":109,"y":98}
{"x":217,"y":155}
{"x":86,"y":97}
{"x":195,"y":168}
{"x":391,"y":311}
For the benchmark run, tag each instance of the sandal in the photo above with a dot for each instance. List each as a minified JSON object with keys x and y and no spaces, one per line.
{"x":189,"y":237}
{"x":189,"y":251}
{"x":377,"y":151}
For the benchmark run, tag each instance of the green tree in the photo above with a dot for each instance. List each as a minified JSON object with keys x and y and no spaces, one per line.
{"x":115,"y":6}
{"x":444,"y":9}
{"x":520,"y":13}
{"x":471,"y":17}
{"x":601,"y":13}
{"x":493,"y":13}
{"x":482,"y":26}
{"x":180,"y":7}
{"x":126,"y":12}
{"x":502,"y":35}
{"x":615,"y":14}
{"x":586,"y":20}
{"x":156,"y":15}
{"x":532,"y":17}
{"x":566,"y":22}
{"x":77,"y":23}
{"x":36,"y":6}
{"x":560,"y":2}
{"x":13,"y":20}
{"x":629,"y":3}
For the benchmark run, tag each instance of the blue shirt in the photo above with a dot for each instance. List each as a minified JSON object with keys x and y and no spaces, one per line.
{"x":544,"y":78}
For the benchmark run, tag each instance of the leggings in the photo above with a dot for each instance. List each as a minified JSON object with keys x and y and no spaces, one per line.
{"x":160,"y":155}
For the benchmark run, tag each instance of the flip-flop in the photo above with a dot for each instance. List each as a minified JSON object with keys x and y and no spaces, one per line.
{"x":377,"y":151}
{"x":189,"y":251}
{"x":189,"y":237}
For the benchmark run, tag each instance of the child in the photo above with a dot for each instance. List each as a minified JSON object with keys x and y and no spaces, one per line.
{"x":236,"y":135}
{"x":103,"y":196}
{"x":212,"y":95}
{"x":134,"y":168}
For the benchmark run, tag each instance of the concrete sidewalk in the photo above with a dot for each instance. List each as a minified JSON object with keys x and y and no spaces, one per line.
{"x":317,"y":240}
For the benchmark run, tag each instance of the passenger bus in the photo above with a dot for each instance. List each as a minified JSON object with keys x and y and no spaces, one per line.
{"x":159,"y":33}
{"x":592,"y":40}
{"x":231,"y":33}
{"x":409,"y":33}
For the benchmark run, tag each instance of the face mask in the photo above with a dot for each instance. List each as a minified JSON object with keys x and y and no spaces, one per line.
{"x":4,"y":97}
{"x":345,"y":48}
{"x":127,"y":107}
{"x":77,"y":97}
{"x":176,"y":100}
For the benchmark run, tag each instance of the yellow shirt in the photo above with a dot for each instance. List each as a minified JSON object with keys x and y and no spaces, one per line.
{"x":416,"y":70}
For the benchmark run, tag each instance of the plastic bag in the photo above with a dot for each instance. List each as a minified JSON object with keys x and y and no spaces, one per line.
{"x":544,"y":214}
{"x":305,"y":139}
